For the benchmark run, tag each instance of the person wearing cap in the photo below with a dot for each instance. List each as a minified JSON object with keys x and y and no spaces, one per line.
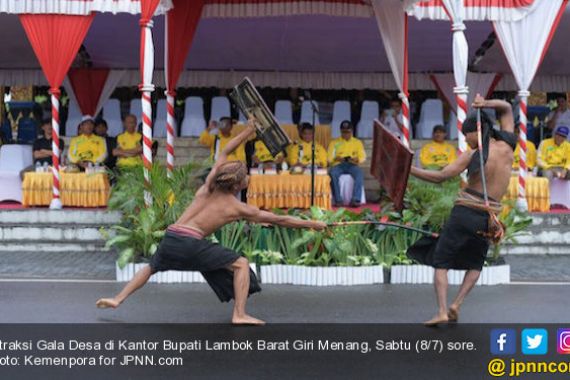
{"x":345,"y":154}
{"x":530,"y":154}
{"x":300,"y":154}
{"x":217,"y":141}
{"x":437,"y":154}
{"x":129,"y":144}
{"x":87,"y":148}
{"x":554,"y":155}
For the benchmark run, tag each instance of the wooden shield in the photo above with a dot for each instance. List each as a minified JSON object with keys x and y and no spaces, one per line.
{"x":391,"y":163}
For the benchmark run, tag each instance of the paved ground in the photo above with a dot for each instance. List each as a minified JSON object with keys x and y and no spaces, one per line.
{"x":73,"y":302}
{"x":101,"y":266}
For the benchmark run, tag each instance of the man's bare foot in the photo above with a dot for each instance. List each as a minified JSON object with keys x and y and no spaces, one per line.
{"x":453,"y":313}
{"x":247,"y":320}
{"x":104,"y":303}
{"x":438,"y":319}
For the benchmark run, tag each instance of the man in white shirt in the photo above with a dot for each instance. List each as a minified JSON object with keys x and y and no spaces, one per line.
{"x":392,"y":118}
{"x":561,"y":115}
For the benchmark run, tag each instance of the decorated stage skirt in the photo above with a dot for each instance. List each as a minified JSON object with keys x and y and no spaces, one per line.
{"x":537,"y":193}
{"x":76,"y":189}
{"x":288,"y":191}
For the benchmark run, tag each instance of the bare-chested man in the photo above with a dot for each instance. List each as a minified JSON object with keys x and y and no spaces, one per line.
{"x":464,"y":240}
{"x":184,"y":246}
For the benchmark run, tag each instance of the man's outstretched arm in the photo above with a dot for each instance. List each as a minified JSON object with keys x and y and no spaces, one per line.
{"x":255,"y":215}
{"x":450,"y":171}
{"x":503,"y":108}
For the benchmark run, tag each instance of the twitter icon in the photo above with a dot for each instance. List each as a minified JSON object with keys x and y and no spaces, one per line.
{"x":534,"y":341}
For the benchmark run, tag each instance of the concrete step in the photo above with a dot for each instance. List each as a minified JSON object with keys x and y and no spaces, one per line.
{"x":60,"y":233}
{"x":58,"y":217}
{"x":53,"y":247}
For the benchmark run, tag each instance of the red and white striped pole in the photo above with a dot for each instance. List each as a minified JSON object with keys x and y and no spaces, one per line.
{"x":523,"y":119}
{"x":405,"y":118}
{"x":147,"y":68}
{"x":55,"y":94}
{"x":461,"y":93}
{"x":170,"y":125}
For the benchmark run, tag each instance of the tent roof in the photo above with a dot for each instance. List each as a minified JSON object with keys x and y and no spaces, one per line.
{"x":312,"y":43}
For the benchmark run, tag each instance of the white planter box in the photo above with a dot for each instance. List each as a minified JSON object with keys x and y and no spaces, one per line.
{"x":423,"y":274}
{"x":321,"y":276}
{"x":166,"y":277}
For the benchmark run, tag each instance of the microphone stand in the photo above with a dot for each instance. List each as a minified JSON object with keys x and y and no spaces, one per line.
{"x":315,"y":112}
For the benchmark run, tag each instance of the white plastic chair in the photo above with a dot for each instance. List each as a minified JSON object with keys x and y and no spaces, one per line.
{"x":430,"y":116}
{"x":220,"y":108}
{"x":13,"y":159}
{"x":194,"y":122}
{"x":242,"y":118}
{"x":452,"y":127}
{"x":560,"y":192}
{"x":159,"y":128}
{"x":73,"y":119}
{"x":136,"y":108}
{"x":341,"y":112}
{"x":370,"y":111}
{"x":112,"y":115}
{"x":307,"y":113}
{"x":346,"y":184}
{"x":284,"y":112}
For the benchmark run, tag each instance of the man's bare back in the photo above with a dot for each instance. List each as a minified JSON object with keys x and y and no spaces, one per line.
{"x":497,"y":171}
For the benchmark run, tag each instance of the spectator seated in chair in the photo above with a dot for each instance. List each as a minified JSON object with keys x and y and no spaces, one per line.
{"x":129,"y":144}
{"x":391,"y":118}
{"x":42,"y":148}
{"x":300,"y":153}
{"x":345,"y":155}
{"x":554,"y":155}
{"x":530,"y":154}
{"x":263,"y":158}
{"x":437,"y":154}
{"x":87,"y":148}
{"x":217,"y":140}
{"x":101,"y":129}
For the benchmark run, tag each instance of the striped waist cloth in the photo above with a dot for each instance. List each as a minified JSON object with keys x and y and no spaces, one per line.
{"x":187,"y":231}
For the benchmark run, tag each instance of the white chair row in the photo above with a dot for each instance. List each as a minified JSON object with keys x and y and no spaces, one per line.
{"x":13,"y":159}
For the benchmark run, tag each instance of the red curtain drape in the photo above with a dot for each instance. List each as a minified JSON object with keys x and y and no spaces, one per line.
{"x":88,"y":85}
{"x":56,"y":40}
{"x":182,"y":22}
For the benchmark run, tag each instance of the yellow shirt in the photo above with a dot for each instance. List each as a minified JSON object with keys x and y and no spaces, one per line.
{"x":87,"y":148}
{"x":530,"y":156}
{"x":437,"y":154}
{"x":128,"y":141}
{"x":352,"y":148}
{"x":263,"y":154}
{"x":216,"y":147}
{"x":303,"y":150}
{"x":551,"y":155}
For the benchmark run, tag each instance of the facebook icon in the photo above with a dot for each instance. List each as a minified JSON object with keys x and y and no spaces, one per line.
{"x":503,"y":342}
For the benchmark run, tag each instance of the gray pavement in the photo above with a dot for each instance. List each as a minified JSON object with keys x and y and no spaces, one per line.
{"x":73,"y":302}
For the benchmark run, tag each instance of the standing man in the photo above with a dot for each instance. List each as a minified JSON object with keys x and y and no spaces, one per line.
{"x":392,"y":118}
{"x":87,"y":148}
{"x":345,"y":154}
{"x":554,"y":155}
{"x":438,"y":153}
{"x":217,"y":141}
{"x":129,"y":145}
{"x":561,"y":115}
{"x":464,"y":240}
{"x":184,"y":246}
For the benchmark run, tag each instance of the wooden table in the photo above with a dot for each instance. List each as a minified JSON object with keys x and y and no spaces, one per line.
{"x":288,"y":191}
{"x":76,"y":189}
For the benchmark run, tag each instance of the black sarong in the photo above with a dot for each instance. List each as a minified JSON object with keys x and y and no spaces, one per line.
{"x":186,"y":253}
{"x":460,"y":244}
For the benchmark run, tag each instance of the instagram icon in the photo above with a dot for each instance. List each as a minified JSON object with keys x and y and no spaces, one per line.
{"x":563,"y":343}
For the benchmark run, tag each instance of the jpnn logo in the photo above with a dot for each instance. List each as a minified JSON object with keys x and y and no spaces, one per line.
{"x":534,"y":341}
{"x":504,"y":342}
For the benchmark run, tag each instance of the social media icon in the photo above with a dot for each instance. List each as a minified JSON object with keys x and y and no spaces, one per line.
{"x":534,"y":341}
{"x":563,"y":341}
{"x":503,"y":342}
